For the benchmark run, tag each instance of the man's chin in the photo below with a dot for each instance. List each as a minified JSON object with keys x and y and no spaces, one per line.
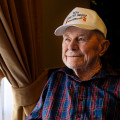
{"x":75,"y":66}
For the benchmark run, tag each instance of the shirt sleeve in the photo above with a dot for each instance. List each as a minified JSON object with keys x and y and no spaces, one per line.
{"x":37,"y":111}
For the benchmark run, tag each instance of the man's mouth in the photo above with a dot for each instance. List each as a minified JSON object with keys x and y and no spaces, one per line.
{"x":73,"y":56}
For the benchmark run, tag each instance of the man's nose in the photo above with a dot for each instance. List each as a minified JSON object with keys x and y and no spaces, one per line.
{"x":73,"y":45}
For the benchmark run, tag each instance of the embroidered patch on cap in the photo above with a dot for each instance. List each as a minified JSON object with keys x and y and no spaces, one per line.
{"x":76,"y":15}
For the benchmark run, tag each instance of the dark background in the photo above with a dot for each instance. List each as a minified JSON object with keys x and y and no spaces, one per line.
{"x":109,"y":12}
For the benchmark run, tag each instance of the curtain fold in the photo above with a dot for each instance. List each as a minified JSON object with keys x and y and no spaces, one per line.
{"x":20,"y":56}
{"x":1,"y":75}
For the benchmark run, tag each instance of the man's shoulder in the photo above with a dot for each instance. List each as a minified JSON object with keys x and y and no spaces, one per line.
{"x":111,"y":72}
{"x":55,"y":70}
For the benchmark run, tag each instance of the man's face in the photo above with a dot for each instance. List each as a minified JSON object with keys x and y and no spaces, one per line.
{"x":80,"y":48}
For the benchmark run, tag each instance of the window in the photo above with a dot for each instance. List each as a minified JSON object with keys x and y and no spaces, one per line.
{"x":6,"y":100}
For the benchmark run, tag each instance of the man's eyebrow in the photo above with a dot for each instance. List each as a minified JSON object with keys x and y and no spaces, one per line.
{"x":82,"y":34}
{"x":66,"y":35}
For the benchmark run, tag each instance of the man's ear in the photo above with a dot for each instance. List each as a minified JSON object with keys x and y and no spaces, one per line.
{"x":104,"y":46}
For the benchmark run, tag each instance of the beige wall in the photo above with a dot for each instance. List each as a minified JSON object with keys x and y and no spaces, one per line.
{"x":54,"y":13}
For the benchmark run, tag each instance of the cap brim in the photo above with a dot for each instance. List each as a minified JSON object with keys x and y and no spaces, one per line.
{"x":61,"y":29}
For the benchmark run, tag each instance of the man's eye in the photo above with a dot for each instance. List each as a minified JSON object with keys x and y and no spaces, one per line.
{"x":80,"y":39}
{"x":67,"y":39}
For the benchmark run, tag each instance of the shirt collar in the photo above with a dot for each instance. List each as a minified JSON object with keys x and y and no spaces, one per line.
{"x":101,"y":74}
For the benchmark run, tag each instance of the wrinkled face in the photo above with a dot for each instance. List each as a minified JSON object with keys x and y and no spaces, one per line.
{"x":80,"y":48}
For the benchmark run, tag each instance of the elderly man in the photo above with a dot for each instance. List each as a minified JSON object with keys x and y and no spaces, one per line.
{"x":83,"y":89}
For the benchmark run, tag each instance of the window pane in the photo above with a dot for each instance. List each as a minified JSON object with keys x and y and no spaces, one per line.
{"x":8,"y":99}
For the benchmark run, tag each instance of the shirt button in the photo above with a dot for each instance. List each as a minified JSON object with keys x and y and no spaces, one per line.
{"x":81,"y":99}
{"x":78,"y":117}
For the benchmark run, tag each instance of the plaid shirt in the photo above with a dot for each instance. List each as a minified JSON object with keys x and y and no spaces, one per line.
{"x":65,"y":97}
